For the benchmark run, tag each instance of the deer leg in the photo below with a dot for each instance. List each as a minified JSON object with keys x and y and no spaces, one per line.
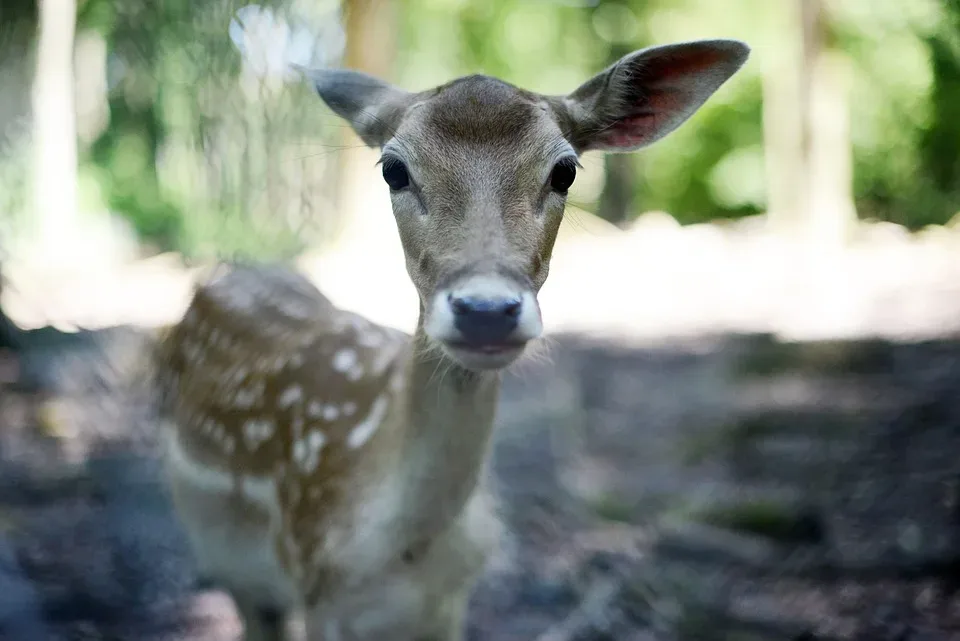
{"x":233,"y":551}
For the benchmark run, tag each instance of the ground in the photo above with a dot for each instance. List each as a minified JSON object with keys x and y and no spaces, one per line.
{"x":715,"y":488}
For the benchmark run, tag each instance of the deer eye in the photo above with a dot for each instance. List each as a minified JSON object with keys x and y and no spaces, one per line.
{"x":395,"y":174}
{"x":563,"y":175}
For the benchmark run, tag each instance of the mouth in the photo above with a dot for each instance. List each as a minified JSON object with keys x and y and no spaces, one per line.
{"x":484,"y":356}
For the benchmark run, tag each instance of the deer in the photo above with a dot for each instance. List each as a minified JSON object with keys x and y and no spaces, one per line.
{"x":336,"y":469}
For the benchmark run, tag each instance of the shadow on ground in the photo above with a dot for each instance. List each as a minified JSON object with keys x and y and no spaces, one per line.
{"x":728,"y":488}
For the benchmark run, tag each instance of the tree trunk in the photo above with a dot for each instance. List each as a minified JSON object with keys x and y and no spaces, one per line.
{"x":54,"y":123}
{"x":781,"y":129}
{"x":616,"y":199}
{"x":620,"y":171}
{"x":807,"y":136}
{"x":370,"y":47}
{"x":825,"y":132}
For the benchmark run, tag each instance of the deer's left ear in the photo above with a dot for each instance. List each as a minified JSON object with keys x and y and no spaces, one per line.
{"x":647,"y":94}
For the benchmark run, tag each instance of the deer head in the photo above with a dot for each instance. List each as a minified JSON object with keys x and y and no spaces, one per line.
{"x":478,"y":172}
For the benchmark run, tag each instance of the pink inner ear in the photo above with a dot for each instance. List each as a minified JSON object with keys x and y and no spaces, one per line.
{"x":646,"y":123}
{"x":651,"y":93}
{"x":673,"y":67}
{"x":629,"y":132}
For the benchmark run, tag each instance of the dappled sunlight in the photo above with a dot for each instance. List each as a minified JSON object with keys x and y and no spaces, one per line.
{"x":654,"y":279}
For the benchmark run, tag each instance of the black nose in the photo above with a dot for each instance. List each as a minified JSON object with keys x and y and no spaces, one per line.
{"x":485,"y":321}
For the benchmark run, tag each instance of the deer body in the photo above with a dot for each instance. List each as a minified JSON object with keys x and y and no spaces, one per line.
{"x":305,"y":466}
{"x":324,"y":464}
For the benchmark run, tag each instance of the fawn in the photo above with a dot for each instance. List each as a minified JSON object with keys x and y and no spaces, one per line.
{"x":327,"y":466}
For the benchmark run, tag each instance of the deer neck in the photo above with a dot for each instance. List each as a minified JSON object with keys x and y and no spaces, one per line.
{"x":449,"y":420}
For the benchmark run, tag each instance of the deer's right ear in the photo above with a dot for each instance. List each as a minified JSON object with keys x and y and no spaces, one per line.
{"x":371,"y":106}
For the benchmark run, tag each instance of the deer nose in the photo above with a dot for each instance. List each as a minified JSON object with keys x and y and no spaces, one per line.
{"x":485,"y":321}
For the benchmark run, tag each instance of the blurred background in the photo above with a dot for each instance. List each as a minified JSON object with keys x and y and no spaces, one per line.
{"x":751,"y":322}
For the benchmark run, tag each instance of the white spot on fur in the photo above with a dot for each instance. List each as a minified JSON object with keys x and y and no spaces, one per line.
{"x":296,"y":360}
{"x":245,"y":398}
{"x":300,"y":452}
{"x":355,"y":373}
{"x":330,"y":413}
{"x":344,"y":359}
{"x":315,"y":409}
{"x":315,"y":440}
{"x":257,"y":430}
{"x":289,"y":396}
{"x":366,"y":428}
{"x":306,"y":451}
{"x":349,"y":408}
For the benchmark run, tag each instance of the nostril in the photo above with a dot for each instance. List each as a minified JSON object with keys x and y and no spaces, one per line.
{"x":512,"y":308}
{"x":460,"y":306}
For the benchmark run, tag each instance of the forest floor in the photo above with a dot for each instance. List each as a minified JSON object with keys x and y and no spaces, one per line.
{"x":670,"y":472}
{"x":733,"y":488}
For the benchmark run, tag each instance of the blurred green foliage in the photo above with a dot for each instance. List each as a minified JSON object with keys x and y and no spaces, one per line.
{"x":201,"y":160}
{"x":194,"y":153}
{"x":904,"y":96}
{"x":124,"y":156}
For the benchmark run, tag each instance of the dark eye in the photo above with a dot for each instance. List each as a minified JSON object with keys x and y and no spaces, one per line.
{"x":395,"y":173}
{"x":564,"y":173}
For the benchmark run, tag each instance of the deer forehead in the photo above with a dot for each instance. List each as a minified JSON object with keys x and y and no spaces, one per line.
{"x":478,"y":123}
